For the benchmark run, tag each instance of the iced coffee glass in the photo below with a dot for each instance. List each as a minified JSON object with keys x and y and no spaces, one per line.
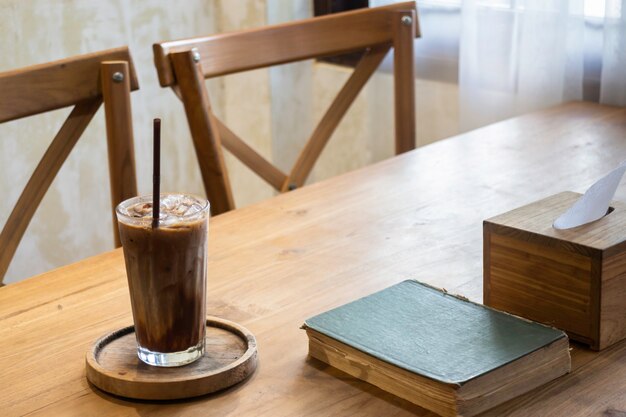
{"x":166,"y":268}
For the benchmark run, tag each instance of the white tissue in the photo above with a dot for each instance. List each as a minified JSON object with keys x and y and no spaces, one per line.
{"x":594,"y":204}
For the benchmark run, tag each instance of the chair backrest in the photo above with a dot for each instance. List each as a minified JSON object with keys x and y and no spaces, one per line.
{"x":85,"y":82}
{"x":183,"y":65}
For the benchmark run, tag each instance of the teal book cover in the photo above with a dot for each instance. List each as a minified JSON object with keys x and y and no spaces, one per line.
{"x":433,"y":334}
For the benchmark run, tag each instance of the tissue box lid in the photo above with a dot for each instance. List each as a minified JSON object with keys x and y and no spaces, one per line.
{"x":533,"y":223}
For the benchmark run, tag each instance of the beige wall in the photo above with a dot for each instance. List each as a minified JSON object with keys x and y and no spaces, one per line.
{"x":271,"y":109}
{"x":73,"y":220}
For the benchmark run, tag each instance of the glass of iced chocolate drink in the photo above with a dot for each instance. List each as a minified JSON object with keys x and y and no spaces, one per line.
{"x":166,"y":268}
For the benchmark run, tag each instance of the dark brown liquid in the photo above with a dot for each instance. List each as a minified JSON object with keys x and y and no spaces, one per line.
{"x":166,"y":269}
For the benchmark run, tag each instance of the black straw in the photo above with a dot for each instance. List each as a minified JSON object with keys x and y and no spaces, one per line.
{"x":156,"y":172}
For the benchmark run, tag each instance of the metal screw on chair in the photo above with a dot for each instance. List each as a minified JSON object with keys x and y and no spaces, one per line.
{"x":195,"y":54}
{"x":118,"y":77}
{"x":406,"y":20}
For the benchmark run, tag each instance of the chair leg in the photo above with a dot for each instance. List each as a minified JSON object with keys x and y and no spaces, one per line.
{"x":204,"y":131}
{"x":404,"y":79}
{"x":119,"y":127}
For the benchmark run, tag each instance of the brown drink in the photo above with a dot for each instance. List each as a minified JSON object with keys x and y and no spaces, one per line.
{"x":166,"y":268}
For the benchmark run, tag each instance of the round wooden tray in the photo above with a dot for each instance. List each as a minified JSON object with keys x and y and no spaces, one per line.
{"x":230,"y":357}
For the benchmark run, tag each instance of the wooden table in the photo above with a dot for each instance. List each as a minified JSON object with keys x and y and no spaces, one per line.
{"x":274,"y":264}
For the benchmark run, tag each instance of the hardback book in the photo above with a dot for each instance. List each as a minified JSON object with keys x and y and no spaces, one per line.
{"x":439,"y":351}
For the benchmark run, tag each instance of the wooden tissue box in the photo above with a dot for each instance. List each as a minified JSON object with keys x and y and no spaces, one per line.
{"x":574,"y":279}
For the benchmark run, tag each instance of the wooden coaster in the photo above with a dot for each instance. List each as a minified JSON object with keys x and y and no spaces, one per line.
{"x":230,"y":357}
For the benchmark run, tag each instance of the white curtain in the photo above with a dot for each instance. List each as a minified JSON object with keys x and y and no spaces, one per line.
{"x":613,"y":87}
{"x":518,"y":56}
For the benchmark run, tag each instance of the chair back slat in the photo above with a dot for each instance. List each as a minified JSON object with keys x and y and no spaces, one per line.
{"x":280,"y":44}
{"x":338,"y":108}
{"x":249,"y":157}
{"x":42,"y":177}
{"x":51,"y":86}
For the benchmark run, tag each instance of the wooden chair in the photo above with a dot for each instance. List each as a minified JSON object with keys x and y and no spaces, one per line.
{"x":84,"y":82}
{"x":184,"y":65}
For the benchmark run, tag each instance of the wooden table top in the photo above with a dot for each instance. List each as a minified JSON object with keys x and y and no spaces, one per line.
{"x":274,"y":264}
